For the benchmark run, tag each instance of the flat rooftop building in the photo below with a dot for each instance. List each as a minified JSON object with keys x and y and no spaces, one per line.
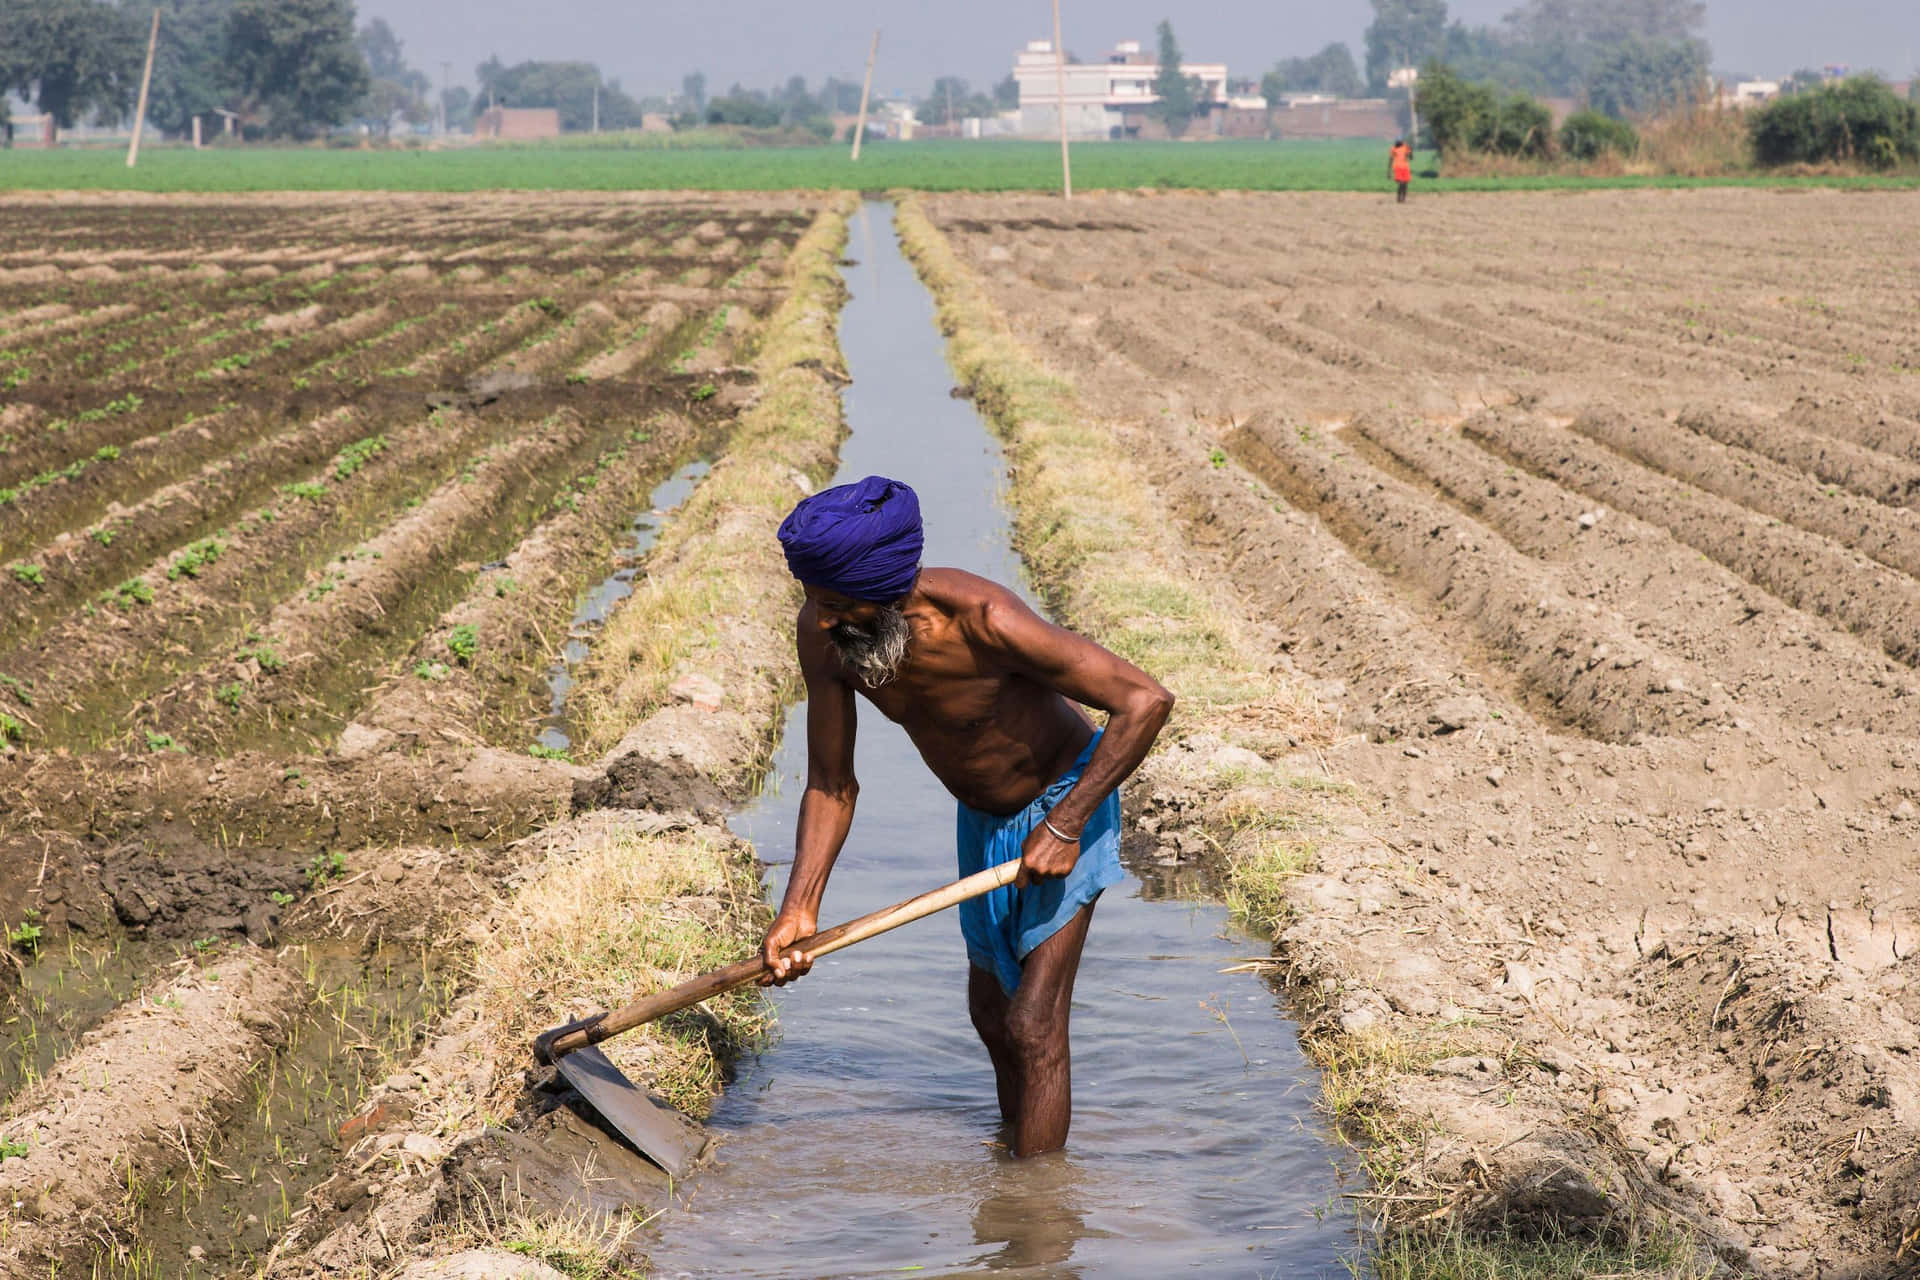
{"x":1109,"y":98}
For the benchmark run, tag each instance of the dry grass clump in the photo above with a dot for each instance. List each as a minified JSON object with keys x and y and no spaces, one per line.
{"x":1656,"y":1253}
{"x":1093,"y":532}
{"x":1703,"y":142}
{"x":717,"y":568}
{"x":626,"y":915}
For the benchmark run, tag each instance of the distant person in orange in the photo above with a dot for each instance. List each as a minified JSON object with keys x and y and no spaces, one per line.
{"x":1400,"y":166}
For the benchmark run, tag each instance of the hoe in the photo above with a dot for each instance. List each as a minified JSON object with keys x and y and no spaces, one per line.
{"x":670,"y":1139}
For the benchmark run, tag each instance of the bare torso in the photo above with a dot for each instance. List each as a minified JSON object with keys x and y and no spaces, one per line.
{"x":992,"y":734}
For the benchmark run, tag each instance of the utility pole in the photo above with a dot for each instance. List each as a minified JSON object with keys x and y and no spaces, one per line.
{"x":1060,"y":83}
{"x":146,"y":82}
{"x":866,"y":88}
{"x":446,"y":69}
{"x":596,"y":106}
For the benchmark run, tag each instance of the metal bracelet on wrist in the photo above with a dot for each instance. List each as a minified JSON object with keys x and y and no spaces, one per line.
{"x":1058,"y":834}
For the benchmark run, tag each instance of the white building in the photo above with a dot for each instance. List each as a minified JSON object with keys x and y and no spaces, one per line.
{"x":1106,"y":99}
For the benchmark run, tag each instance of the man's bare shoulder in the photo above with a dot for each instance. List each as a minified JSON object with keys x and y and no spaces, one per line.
{"x":972,"y":599}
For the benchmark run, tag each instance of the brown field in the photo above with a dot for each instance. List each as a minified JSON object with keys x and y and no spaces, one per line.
{"x":1593,"y":519}
{"x":297,"y":501}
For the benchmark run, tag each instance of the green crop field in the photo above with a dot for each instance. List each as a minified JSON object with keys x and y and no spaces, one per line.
{"x":927,"y":166}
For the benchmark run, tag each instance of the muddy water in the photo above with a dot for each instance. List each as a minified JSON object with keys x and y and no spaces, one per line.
{"x":610,"y":591}
{"x":866,"y":1141}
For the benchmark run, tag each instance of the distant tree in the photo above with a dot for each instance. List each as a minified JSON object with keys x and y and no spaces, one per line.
{"x":189,"y":62}
{"x":693,"y":87}
{"x":1606,"y":22}
{"x":569,"y":87}
{"x":952,"y":94}
{"x":71,"y":57}
{"x":1641,"y":77}
{"x":1461,"y":116}
{"x":294,"y":63}
{"x":397,"y":89}
{"x":840,"y":97}
{"x":1404,"y":33}
{"x":742,"y":108}
{"x":1006,"y":94}
{"x":1858,"y":120}
{"x":1178,"y":92}
{"x":1587,"y":135}
{"x":1567,"y":43}
{"x":1331,"y":70}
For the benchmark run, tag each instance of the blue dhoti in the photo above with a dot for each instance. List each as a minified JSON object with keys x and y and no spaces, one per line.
{"x":1002,"y":927}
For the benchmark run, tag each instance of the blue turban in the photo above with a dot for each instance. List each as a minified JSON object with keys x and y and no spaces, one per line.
{"x":862,"y":540}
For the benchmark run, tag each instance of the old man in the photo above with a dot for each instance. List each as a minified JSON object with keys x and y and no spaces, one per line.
{"x":987,"y":690}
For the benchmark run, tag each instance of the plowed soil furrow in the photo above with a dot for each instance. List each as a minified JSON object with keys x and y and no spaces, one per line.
{"x":370,"y":603}
{"x":89,"y":666}
{"x":1868,"y":472}
{"x":1888,"y":535}
{"x":1767,"y":655}
{"x":1876,"y":426}
{"x":1583,"y":666}
{"x":150,"y":1081}
{"x":659,"y":329}
{"x":27,"y":331}
{"x":517,"y":610}
{"x":484,"y":342}
{"x":1804,"y":569}
{"x":79,"y":566}
{"x":1649,"y":356}
{"x":1591,"y":898}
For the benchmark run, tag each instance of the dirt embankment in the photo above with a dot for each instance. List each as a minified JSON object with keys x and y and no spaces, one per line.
{"x":1613,"y":927}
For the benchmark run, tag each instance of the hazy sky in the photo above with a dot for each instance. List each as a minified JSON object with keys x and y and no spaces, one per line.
{"x":649,"y":46}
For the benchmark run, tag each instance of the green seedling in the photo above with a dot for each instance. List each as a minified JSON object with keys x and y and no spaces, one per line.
{"x":11,"y":730}
{"x":264,"y":655}
{"x":31,"y":575}
{"x":280,"y":897}
{"x":1218,"y":457}
{"x":25,"y":936}
{"x":106,"y":453}
{"x":305,"y":489}
{"x":13,"y":1149}
{"x":326,"y":868}
{"x":576,"y":378}
{"x":541,"y":751}
{"x":103,"y":536}
{"x":132,"y":591}
{"x":18,"y":688}
{"x":196,"y":557}
{"x":203,"y":945}
{"x":705,"y":391}
{"x":357,"y":454}
{"x":162,"y":742}
{"x":432,"y":670}
{"x":229,"y":695}
{"x":464,"y":642}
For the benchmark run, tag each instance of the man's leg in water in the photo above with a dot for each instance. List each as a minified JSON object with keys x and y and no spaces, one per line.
{"x":988,"y":1005}
{"x":1028,"y":1042}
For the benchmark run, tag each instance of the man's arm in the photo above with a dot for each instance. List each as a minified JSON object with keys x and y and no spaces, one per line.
{"x":826,"y":810}
{"x":1136,"y":704}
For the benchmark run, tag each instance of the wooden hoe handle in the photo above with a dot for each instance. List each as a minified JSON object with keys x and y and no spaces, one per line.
{"x":604,"y":1026}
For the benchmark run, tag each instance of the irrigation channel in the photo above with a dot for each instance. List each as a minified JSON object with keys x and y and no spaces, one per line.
{"x":864,"y":1142}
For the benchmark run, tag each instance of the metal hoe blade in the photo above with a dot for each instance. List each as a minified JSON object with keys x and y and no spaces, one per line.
{"x":668,"y":1138}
